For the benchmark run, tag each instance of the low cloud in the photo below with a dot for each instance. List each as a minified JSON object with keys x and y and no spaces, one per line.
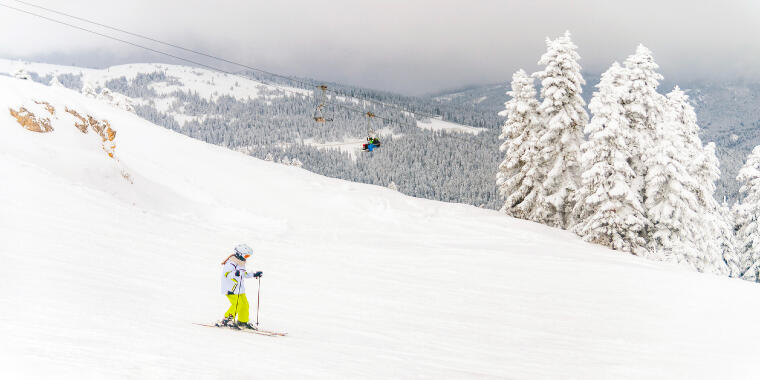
{"x":410,"y":47}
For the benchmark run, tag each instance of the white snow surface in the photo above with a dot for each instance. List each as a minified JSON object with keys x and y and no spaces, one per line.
{"x":207,"y":83}
{"x":351,"y":146}
{"x":432,"y":124}
{"x":104,"y":279}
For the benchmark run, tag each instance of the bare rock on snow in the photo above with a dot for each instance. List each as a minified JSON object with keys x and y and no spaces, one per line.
{"x":30,"y":121}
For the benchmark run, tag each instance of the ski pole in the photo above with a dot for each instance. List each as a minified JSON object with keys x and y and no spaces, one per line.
{"x":237,"y":301}
{"x":258,"y":298}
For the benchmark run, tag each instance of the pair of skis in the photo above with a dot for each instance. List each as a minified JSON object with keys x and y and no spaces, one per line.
{"x":259,"y":332}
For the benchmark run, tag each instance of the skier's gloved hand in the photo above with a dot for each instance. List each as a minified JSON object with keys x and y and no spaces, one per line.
{"x":258,"y":274}
{"x":237,"y":273}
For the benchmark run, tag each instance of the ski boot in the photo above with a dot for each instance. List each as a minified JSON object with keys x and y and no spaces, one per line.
{"x":246,"y":326}
{"x":226,"y":322}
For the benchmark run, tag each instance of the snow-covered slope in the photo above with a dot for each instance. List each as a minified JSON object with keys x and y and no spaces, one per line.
{"x":206,"y":83}
{"x":443,"y":125}
{"x":106,"y":262}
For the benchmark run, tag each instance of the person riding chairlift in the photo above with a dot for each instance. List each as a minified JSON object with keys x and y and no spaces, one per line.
{"x":372,"y":143}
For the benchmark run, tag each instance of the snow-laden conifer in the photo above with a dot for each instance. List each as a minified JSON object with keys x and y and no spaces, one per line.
{"x":644,"y":106}
{"x":519,"y":178}
{"x":711,"y":233}
{"x":671,"y":205}
{"x":563,"y":118}
{"x":54,"y":82}
{"x":670,"y":159}
{"x":747,"y":214}
{"x":686,"y":220}
{"x":677,"y":102}
{"x":701,"y":161}
{"x":89,"y":90}
{"x":609,"y":208}
{"x":715,"y":236}
{"x":727,"y":241}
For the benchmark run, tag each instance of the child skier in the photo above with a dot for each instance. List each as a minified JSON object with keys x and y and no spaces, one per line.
{"x":233,"y":287}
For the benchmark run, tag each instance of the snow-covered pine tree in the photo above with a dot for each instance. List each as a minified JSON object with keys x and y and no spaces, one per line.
{"x":679,"y":182}
{"x":563,"y":118}
{"x":729,"y":245}
{"x":269,"y":157}
{"x":660,"y":151}
{"x":701,"y":161}
{"x":518,"y":179}
{"x":393,"y":186}
{"x":716,"y":239}
{"x":644,"y":106}
{"x":711,"y":232}
{"x":677,"y":102}
{"x":89,"y":90}
{"x":296,"y":162}
{"x":747,"y":213}
{"x":54,"y":82}
{"x":671,"y":206}
{"x":609,"y":209}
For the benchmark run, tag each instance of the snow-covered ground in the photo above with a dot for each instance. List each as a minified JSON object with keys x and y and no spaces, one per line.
{"x":447,"y":126}
{"x":104,"y":278}
{"x":351,"y":146}
{"x":207,"y":84}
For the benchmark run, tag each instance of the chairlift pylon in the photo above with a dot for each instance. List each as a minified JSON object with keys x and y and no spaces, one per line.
{"x":319,"y":115}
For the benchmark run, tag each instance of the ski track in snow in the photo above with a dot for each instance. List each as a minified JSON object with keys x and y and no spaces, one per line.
{"x":102,"y":278}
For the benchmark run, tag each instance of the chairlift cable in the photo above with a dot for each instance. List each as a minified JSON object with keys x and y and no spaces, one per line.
{"x":213,"y":68}
{"x":164,"y":43}
{"x":147,"y":48}
{"x":294,"y":80}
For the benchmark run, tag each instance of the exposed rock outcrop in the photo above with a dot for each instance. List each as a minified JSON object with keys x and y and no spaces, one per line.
{"x":101,"y":127}
{"x":30,"y":121}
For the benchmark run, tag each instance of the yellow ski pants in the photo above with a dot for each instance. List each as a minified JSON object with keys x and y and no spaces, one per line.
{"x":239,"y":303}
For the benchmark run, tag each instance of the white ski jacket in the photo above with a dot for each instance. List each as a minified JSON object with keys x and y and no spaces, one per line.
{"x":233,"y":274}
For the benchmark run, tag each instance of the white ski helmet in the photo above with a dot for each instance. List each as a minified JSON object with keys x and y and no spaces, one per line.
{"x":241,"y":250}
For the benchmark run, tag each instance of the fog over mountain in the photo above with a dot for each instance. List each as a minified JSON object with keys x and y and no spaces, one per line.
{"x":410,"y":47}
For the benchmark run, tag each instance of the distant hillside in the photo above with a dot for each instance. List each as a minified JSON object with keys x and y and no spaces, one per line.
{"x":729,"y":115}
{"x":453,"y":159}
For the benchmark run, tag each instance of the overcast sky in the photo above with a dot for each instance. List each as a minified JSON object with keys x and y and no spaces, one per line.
{"x":409,"y":46}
